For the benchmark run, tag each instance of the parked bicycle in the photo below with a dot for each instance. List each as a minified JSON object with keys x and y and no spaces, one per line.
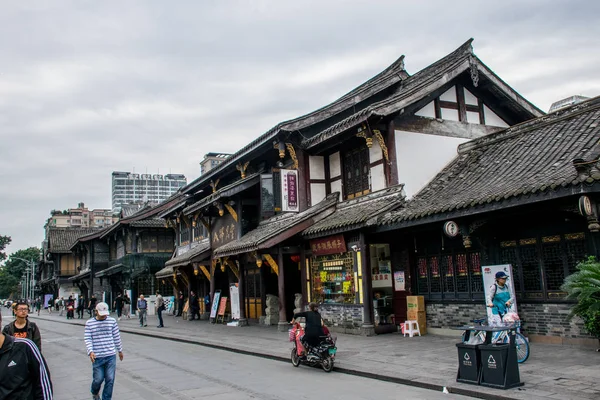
{"x":478,"y":336}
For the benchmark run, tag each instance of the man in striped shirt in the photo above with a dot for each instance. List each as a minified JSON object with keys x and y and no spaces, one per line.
{"x":103,"y":340}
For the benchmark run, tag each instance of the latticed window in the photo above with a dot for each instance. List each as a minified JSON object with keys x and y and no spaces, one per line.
{"x":540,"y":265}
{"x":356,"y":172}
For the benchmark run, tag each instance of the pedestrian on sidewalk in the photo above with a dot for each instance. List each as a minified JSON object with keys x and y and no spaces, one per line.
{"x":103,"y":340}
{"x":92,"y":305}
{"x":23,"y":370}
{"x":22,"y":328}
{"x":160,"y":307}
{"x":142,"y":309}
{"x":38,"y":305}
{"x":194,"y":306}
{"x":70,"y":307}
{"x":80,"y":306}
{"x":118,"y":306}
{"x":180,"y":302}
{"x":126,"y":306}
{"x":61,"y":306}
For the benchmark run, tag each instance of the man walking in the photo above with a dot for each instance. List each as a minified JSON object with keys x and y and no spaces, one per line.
{"x":194,"y":306}
{"x":118,"y":305}
{"x":126,"y":306}
{"x":180,"y":302}
{"x":61,"y":306}
{"x":142,"y":308}
{"x":92,"y":305}
{"x":160,"y":307}
{"x":23,"y":370}
{"x":22,"y":328}
{"x":80,"y":305}
{"x":103,"y":340}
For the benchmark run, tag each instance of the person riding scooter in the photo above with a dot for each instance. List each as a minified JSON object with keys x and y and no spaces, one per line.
{"x":314,"y":325}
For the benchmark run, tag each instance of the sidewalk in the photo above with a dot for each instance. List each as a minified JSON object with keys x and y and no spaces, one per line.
{"x":552,"y":371}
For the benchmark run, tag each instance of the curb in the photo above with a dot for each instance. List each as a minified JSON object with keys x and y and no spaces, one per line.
{"x":347,"y":371}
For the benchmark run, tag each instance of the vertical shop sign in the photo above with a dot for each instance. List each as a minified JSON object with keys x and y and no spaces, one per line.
{"x":234,"y":292}
{"x":399,"y":283}
{"x":289,"y":190}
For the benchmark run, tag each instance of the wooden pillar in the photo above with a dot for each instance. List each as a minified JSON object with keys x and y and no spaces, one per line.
{"x":213,"y":269}
{"x":241,"y":294}
{"x":303,"y":186}
{"x":367,"y":328}
{"x":303,"y":276}
{"x":283,"y":324}
{"x":391,"y":146}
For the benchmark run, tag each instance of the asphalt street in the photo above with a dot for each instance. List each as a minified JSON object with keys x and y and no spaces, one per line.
{"x":159,"y":369}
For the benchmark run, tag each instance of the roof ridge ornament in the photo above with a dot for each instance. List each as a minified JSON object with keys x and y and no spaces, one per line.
{"x":473,"y":68}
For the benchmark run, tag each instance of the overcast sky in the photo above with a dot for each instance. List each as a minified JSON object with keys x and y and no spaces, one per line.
{"x":89,"y":87}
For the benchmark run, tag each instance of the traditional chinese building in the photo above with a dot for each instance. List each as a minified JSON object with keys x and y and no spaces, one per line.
{"x":285,"y":217}
{"x":526,"y":196}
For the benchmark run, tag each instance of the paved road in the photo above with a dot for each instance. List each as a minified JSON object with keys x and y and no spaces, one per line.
{"x":158,"y":369}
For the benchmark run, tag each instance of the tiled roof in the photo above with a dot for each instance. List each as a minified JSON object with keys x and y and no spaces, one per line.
{"x":534,"y":158}
{"x":149,"y":223}
{"x":355,"y":213}
{"x":60,"y":240}
{"x":127,"y":210}
{"x":225,"y":191}
{"x":421,"y":84}
{"x":288,"y":224}
{"x":201,"y":247}
{"x":165,"y":272}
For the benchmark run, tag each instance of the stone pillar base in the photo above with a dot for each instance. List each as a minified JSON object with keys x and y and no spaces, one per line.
{"x":367,"y":330}
{"x":205,"y":316}
{"x":283,"y":326}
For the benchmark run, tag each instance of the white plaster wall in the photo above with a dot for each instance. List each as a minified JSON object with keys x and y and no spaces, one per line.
{"x":449,"y":95}
{"x":450,"y":114}
{"x":377,"y":178}
{"x":317,"y":193}
{"x":335,"y":167}
{"x":375,"y":153}
{"x":492,"y":119}
{"x":473,"y":117}
{"x":470,"y":98}
{"x":427,"y":111}
{"x":336,"y":186}
{"x":420,"y":157}
{"x":316,"y":167}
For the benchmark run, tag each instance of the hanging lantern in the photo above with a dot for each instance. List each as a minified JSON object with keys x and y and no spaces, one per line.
{"x":295,"y":258}
{"x":222,"y":267}
{"x":259,"y":263}
{"x":196,"y":270}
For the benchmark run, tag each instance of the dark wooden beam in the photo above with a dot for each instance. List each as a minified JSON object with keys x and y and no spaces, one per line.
{"x":440,"y":127}
{"x":460,"y":96}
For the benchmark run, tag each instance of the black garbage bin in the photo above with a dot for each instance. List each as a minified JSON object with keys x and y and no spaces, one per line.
{"x":499,"y":366}
{"x":469,"y":363}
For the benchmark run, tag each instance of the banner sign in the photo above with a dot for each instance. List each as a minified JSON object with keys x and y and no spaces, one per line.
{"x":328,"y":245}
{"x":234,"y":292}
{"x":215,"y":304}
{"x":289,"y":190}
{"x":496,"y":295}
{"x":169,"y":304}
{"x":399,"y":282}
{"x":222,"y":306}
{"x":225,"y":230}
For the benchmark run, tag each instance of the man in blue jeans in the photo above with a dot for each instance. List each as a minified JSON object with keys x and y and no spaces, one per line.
{"x":103,"y":340}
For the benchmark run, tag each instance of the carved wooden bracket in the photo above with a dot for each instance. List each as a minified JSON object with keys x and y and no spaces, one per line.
{"x":257,"y":258}
{"x":205,"y":271}
{"x":272,"y":263}
{"x":234,"y":269}
{"x":242,"y":168}
{"x":204,"y":222}
{"x":278,"y":145}
{"x":213,"y":266}
{"x":292,"y":152}
{"x":384,"y":148}
{"x":364,"y":133}
{"x":220,"y":208}
{"x":232,"y":212}
{"x":214,"y":184}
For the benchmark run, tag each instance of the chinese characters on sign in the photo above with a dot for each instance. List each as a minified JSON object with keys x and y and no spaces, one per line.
{"x":289,"y":190}
{"x":224,"y":231}
{"x":329,"y":245}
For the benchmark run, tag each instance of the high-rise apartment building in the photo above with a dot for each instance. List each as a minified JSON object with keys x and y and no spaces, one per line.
{"x":211,"y":160}
{"x":130,"y":187}
{"x":81,"y":217}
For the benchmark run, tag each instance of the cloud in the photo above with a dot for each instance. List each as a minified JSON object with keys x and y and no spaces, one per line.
{"x":91,"y":87}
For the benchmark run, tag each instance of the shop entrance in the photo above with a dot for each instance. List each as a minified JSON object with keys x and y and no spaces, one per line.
{"x":382,"y":283}
{"x":293,"y":284}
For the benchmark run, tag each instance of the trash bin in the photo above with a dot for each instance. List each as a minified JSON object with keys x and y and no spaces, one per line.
{"x":469,"y":363}
{"x":499,"y":366}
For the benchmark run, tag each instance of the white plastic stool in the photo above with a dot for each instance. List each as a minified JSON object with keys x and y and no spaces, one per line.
{"x":411,"y":327}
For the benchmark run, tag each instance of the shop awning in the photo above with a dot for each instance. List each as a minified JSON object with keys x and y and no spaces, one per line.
{"x":279,"y":228}
{"x":226,"y":191}
{"x":200,"y":252}
{"x":115,"y":269}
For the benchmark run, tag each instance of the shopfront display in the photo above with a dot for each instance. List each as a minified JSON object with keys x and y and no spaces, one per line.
{"x":382,"y":282}
{"x":334,"y":279}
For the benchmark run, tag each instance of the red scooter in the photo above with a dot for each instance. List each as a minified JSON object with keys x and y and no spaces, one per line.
{"x":323,"y":354}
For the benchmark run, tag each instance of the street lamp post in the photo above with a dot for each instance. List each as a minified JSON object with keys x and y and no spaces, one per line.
{"x":30,"y":283}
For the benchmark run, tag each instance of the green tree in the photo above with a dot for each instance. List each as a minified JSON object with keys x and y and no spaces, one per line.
{"x":4,"y":241}
{"x":584,"y":286}
{"x":13,"y":269}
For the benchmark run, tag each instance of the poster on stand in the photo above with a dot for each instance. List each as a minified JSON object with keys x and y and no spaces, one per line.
{"x":47,"y":297}
{"x":492,"y":293}
{"x":234,"y":292}
{"x":399,"y":282}
{"x":169,"y":304}
{"x":215,"y":304}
